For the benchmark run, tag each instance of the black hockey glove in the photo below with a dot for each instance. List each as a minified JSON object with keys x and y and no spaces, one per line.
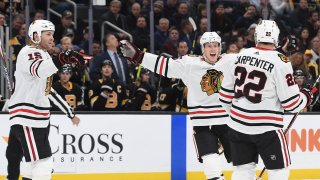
{"x":310,"y":92}
{"x":69,"y":57}
{"x":130,"y":51}
{"x":75,"y":57}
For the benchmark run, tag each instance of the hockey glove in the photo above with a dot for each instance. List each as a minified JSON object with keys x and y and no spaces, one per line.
{"x":130,"y":51}
{"x":75,"y":57}
{"x":311,"y":93}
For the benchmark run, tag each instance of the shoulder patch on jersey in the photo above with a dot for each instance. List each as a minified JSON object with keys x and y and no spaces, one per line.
{"x":211,"y":81}
{"x":283,"y":58}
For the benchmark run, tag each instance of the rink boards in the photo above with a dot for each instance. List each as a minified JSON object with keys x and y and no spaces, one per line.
{"x":150,"y":146}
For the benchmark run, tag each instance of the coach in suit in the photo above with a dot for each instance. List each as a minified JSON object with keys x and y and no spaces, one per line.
{"x":120,"y":64}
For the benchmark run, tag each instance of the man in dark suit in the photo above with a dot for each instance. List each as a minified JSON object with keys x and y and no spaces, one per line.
{"x":120,"y":64}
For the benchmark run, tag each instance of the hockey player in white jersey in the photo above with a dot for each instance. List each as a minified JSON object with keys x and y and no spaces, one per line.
{"x":29,"y":105}
{"x":256,"y":92}
{"x":202,"y":75}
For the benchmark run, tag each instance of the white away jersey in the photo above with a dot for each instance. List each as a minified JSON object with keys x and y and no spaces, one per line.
{"x":203,"y":81}
{"x":29,"y":104}
{"x":258,"y":90}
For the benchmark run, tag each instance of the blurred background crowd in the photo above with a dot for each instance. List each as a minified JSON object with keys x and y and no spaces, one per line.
{"x":111,"y":83}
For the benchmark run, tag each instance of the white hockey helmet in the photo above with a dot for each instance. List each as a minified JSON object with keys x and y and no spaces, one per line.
{"x":208,"y":37}
{"x":38,"y":26}
{"x":267,"y":31}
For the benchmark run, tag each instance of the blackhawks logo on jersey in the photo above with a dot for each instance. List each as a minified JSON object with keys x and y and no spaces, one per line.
{"x":283,"y":58}
{"x":211,"y":81}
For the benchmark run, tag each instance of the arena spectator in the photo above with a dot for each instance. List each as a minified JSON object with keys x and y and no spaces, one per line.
{"x":18,"y":42}
{"x":239,"y":41}
{"x":182,"y":49}
{"x":158,"y":11}
{"x":182,"y":13}
{"x":187,"y":33}
{"x":39,"y":14}
{"x":69,"y":91}
{"x":144,"y":95}
{"x":171,"y":44}
{"x":298,"y":62}
{"x":161,"y":34}
{"x":203,"y":26}
{"x":170,"y":8}
{"x":303,"y":39}
{"x":220,"y":22}
{"x":18,"y":21}
{"x":121,"y":71}
{"x":115,"y":17}
{"x":315,"y":49}
{"x":312,"y":66}
{"x":299,"y":14}
{"x":133,"y":15}
{"x":109,"y":94}
{"x":66,"y":25}
{"x":280,"y":6}
{"x":232,"y":48}
{"x":140,"y":34}
{"x":313,"y":24}
{"x":249,"y":39}
{"x":248,"y":18}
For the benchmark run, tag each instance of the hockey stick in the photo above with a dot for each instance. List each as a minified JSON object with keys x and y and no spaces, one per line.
{"x":314,"y":89}
{"x":194,"y":26}
{"x":5,"y":67}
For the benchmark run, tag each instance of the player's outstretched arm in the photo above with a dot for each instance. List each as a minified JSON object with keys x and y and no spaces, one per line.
{"x":63,"y":106}
{"x":159,"y":64}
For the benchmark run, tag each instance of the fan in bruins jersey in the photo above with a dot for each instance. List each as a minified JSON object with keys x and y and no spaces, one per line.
{"x":69,"y":91}
{"x":109,"y":94}
{"x":144,"y":94}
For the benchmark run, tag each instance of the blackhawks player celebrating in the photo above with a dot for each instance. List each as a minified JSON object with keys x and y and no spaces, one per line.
{"x":202,"y":75}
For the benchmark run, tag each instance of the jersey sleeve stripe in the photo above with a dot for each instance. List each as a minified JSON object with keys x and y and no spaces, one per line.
{"x":166,"y":70}
{"x":290,"y":110}
{"x":226,"y":102}
{"x":289,"y":99}
{"x":31,"y":66}
{"x":227,"y":90}
{"x":226,"y":96}
{"x":35,"y":66}
{"x":62,"y":105}
{"x":156,"y":65}
{"x":255,"y":117}
{"x":291,"y":104}
{"x":38,"y":68}
{"x":161,"y":65}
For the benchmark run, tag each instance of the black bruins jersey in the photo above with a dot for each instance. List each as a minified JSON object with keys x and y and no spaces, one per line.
{"x":168,"y":98}
{"x":143,"y":98}
{"x":108,"y":95}
{"x":71,"y":94}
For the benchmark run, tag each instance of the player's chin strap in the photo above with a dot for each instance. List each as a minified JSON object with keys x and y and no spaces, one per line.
{"x":291,"y":123}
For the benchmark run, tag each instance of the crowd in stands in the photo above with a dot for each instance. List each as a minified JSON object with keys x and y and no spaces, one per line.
{"x":111,"y":83}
